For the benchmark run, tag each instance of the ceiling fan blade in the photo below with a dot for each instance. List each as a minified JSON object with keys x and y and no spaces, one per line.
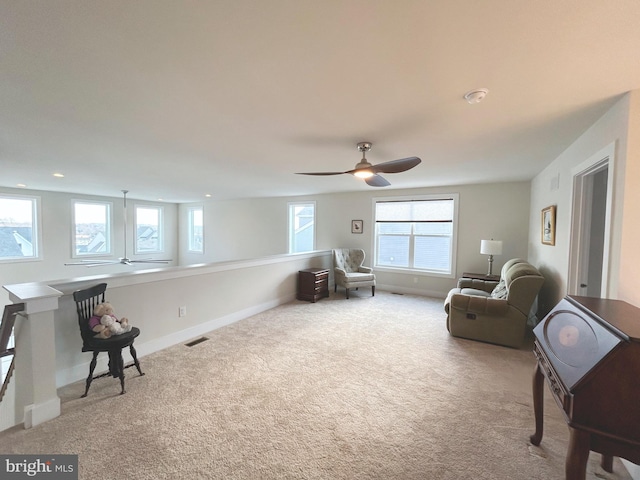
{"x":320,"y":173}
{"x":396,"y":166}
{"x":376,"y":181}
{"x":150,"y":261}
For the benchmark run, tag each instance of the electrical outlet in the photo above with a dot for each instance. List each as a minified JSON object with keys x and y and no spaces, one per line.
{"x":182,"y":312}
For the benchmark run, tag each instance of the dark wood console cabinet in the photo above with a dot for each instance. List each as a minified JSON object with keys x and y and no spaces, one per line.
{"x":588,"y":350}
{"x":313,"y":284}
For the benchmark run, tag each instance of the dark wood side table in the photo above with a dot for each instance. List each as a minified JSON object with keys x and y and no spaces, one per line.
{"x":588,"y":351}
{"x":313,"y":284}
{"x":481,"y":276}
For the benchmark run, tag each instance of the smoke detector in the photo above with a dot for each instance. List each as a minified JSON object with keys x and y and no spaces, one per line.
{"x":476,"y":96}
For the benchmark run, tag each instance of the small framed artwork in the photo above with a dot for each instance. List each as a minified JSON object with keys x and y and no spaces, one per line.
{"x":549,"y":225}
{"x":356,"y":226}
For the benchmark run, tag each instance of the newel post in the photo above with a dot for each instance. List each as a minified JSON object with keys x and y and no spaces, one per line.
{"x":35,"y":374}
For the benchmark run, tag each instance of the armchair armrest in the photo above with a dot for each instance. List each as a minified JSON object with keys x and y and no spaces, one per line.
{"x":479,"y":305}
{"x":365,"y":269}
{"x":486,"y":285}
{"x":339,"y":275}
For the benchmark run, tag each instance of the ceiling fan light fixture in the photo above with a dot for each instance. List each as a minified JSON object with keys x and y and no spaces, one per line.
{"x":476,"y":96}
{"x":371,"y":173}
{"x":364,"y":173}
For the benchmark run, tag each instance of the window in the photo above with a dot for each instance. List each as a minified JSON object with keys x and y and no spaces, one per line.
{"x":92,"y":224}
{"x":149,"y":231}
{"x":416,"y":234}
{"x":196,"y":230}
{"x":302,"y":220}
{"x":19,"y":233}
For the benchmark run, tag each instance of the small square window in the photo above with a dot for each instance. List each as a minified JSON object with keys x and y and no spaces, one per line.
{"x":149,"y":234}
{"x":92,"y":228}
{"x":196,"y":229}
{"x":19,"y":232}
{"x":302,"y":221}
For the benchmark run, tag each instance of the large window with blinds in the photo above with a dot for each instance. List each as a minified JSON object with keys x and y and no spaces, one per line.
{"x":416,"y":234}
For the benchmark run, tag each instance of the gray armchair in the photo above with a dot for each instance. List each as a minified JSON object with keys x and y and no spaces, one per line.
{"x":348,"y":271}
{"x":494,"y":312}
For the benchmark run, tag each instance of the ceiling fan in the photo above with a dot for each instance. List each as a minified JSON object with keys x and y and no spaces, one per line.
{"x":369,"y":173}
{"x":123,"y":260}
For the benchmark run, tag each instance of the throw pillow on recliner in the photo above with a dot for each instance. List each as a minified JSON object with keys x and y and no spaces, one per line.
{"x":500,"y":291}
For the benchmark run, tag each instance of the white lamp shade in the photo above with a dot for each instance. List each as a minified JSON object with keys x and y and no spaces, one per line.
{"x":491,"y":247}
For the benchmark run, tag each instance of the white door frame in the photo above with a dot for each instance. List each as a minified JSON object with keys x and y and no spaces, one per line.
{"x":581,"y":219}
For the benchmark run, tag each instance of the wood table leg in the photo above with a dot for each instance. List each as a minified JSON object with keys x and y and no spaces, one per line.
{"x":538,"y":398}
{"x":577,"y":455}
{"x":607,"y":463}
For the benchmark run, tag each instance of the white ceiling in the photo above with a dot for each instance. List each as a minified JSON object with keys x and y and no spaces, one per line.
{"x":177,"y":99}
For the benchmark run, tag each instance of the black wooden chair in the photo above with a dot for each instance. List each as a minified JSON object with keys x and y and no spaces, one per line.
{"x":86,"y":300}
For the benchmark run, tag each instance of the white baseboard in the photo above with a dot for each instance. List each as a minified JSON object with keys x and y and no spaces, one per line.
{"x":411,"y":291}
{"x":80,"y":371}
{"x":38,"y":413}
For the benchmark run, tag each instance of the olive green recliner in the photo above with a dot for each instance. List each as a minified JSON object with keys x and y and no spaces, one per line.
{"x":494,"y":312}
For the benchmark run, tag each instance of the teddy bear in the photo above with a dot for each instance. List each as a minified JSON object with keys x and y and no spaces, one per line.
{"x":100,"y":330}
{"x":105,"y":324}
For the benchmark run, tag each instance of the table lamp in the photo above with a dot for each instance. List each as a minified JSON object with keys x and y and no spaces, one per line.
{"x":491,"y":247}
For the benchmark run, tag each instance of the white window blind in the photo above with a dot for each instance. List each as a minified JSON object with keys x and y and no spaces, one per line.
{"x":415,"y":234}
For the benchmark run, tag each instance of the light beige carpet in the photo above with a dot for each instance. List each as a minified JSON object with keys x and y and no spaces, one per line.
{"x":366,"y":388}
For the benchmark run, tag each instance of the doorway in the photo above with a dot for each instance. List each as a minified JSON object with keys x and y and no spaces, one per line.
{"x":590,"y":226}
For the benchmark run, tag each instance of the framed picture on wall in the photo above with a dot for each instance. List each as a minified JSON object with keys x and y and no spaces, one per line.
{"x":356,"y":226}
{"x":549,"y":225}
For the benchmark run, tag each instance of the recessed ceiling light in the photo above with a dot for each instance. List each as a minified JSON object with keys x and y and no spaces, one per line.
{"x":207,"y":195}
{"x":58,"y":175}
{"x":476,"y":96}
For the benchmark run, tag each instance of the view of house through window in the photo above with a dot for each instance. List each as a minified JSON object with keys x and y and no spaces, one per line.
{"x":302,"y":218}
{"x":196,"y":229}
{"x":18,"y":228}
{"x":416,"y":234}
{"x":149,"y":234}
{"x":92,"y":228}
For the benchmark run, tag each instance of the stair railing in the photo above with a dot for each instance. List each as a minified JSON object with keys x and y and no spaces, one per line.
{"x":6,"y":331}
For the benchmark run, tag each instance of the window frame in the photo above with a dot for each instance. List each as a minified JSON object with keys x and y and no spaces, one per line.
{"x":108,"y":228}
{"x":412,"y":270}
{"x":290,"y":224}
{"x":36,"y":226}
{"x":190,"y":229}
{"x":160,"y":228}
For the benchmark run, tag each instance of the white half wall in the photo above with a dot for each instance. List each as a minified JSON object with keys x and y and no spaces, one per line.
{"x":214,"y":295}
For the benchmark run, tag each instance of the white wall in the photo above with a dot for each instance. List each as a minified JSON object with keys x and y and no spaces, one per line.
{"x":553,"y":261}
{"x":498,"y":211}
{"x":248,"y":228}
{"x":56,"y":215}
{"x":255,"y":228}
{"x":237,"y":229}
{"x":629,"y":277}
{"x":621,"y":126}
